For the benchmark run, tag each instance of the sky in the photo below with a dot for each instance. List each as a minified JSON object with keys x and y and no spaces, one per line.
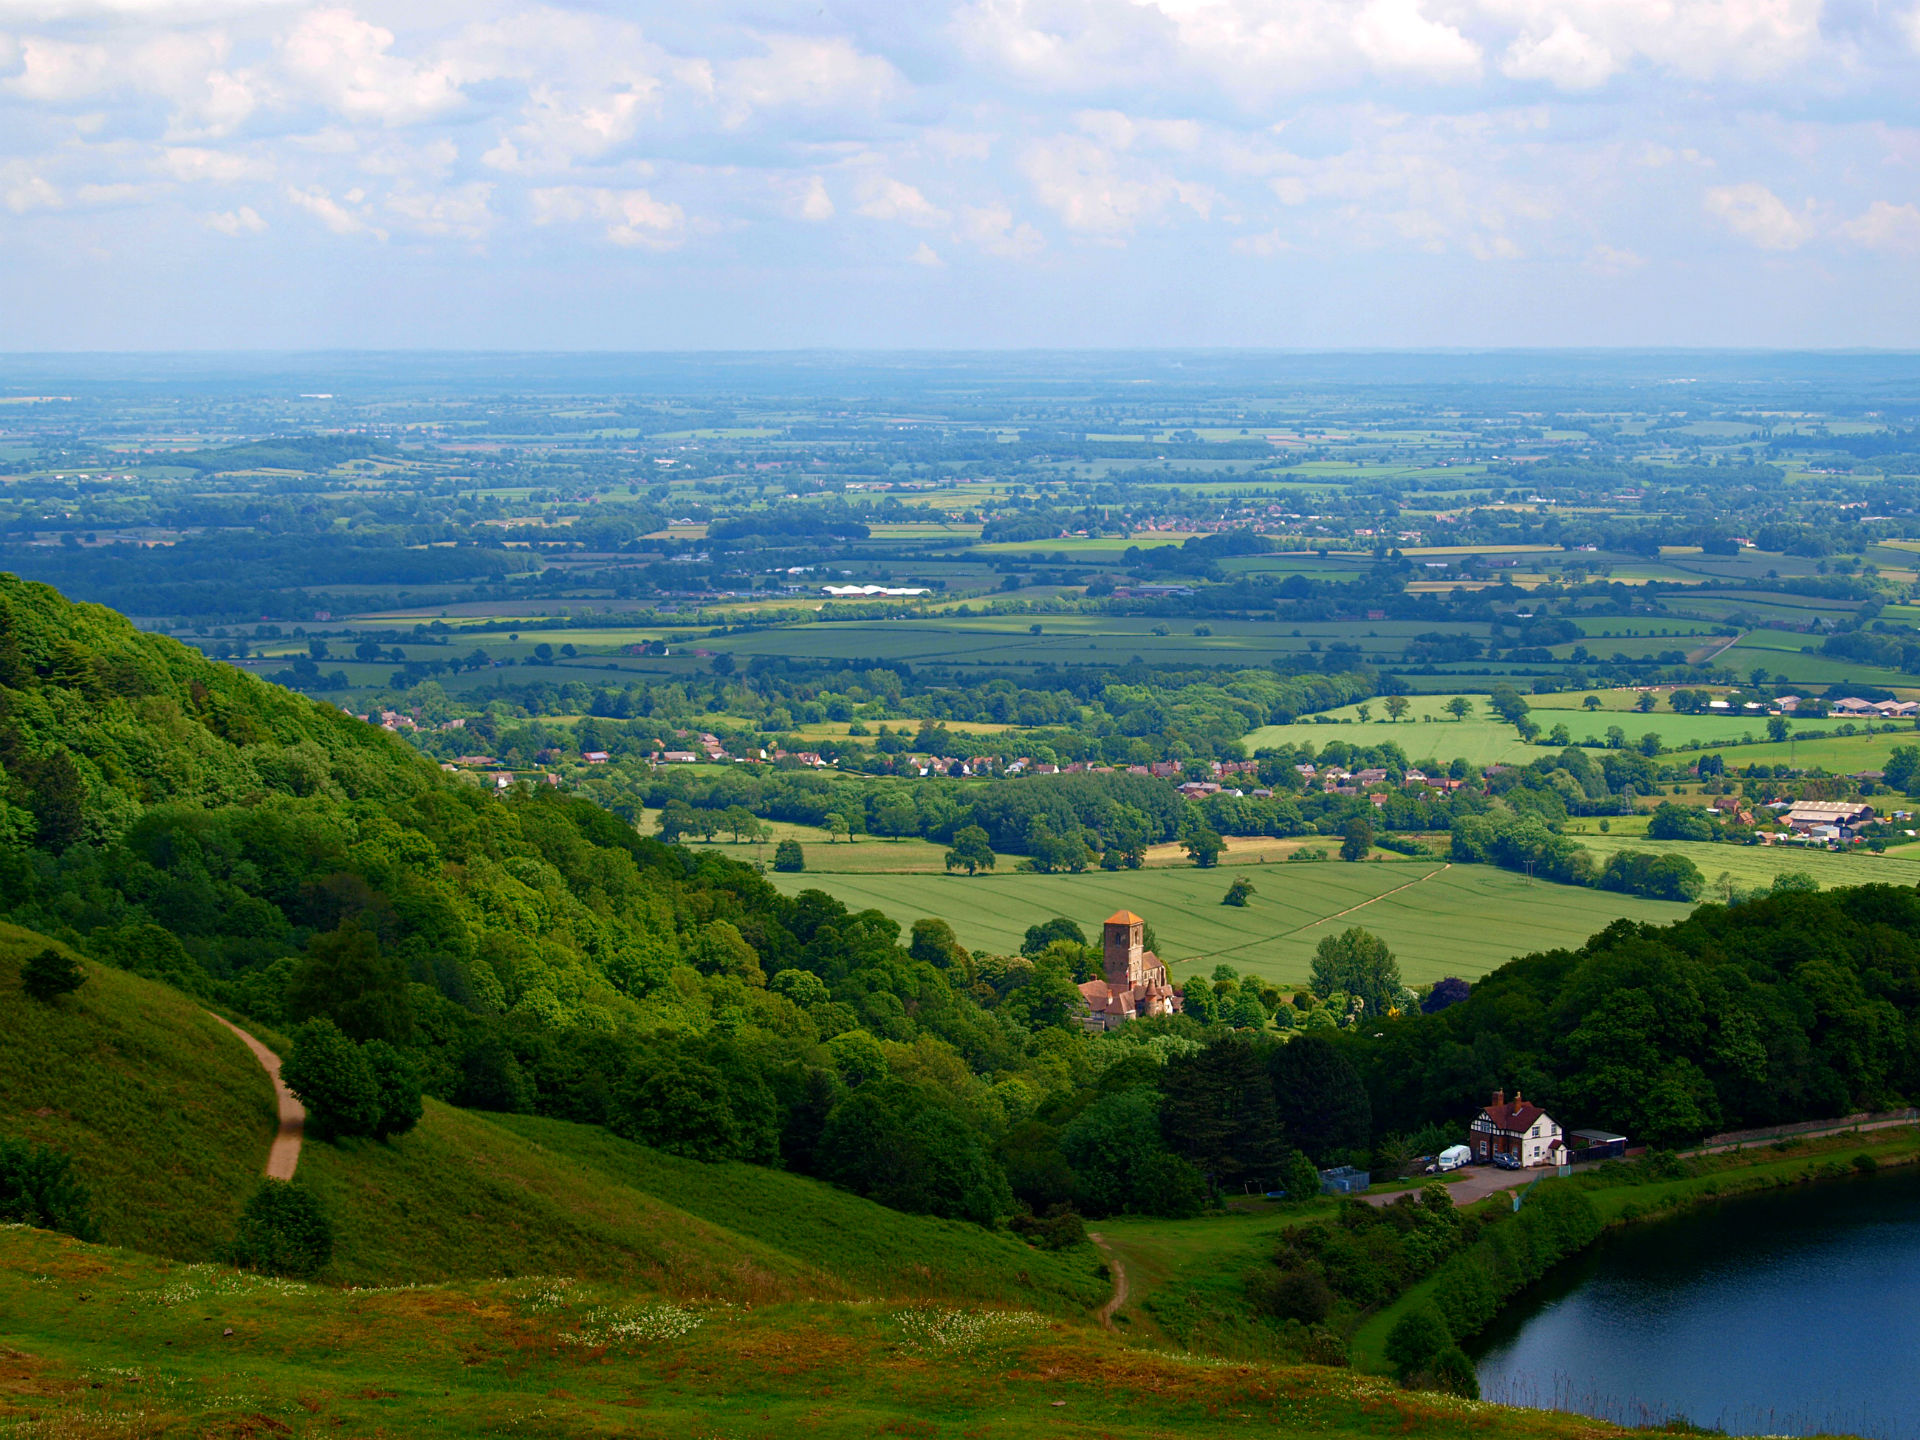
{"x":925,"y":174}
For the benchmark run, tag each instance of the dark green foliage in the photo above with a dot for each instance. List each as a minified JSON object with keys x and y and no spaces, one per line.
{"x":788,"y":857}
{"x":1358,"y":964}
{"x":37,"y":1187}
{"x":1299,"y":1177}
{"x":1301,"y":1293}
{"x":1059,"y":1229}
{"x":1238,"y":893}
{"x":331,"y":1076}
{"x":971,"y":850}
{"x":1678,"y":822}
{"x":933,"y":943}
{"x":1321,"y":1100}
{"x":1356,"y":840}
{"x":1218,"y":1112}
{"x":347,"y":979}
{"x":51,"y":973}
{"x":690,"y":1108}
{"x":1416,"y":1339}
{"x":1659,"y":877}
{"x":899,"y":1147}
{"x":283,"y":1231}
{"x":1450,"y":1371}
{"x":397,"y":1084}
{"x":1121,"y":1165}
{"x":1203,"y":845}
{"x":1040,"y":936}
{"x":1512,"y":1252}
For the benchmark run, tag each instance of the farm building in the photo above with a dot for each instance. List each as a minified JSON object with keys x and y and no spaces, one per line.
{"x":1523,"y":1132}
{"x":1844,"y":814}
{"x":1135,"y":982}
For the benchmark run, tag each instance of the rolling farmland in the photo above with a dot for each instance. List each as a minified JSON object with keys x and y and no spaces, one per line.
{"x":1440,"y":920}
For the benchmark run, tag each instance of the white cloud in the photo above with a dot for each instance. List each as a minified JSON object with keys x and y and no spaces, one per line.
{"x":25,"y":189}
{"x":884,"y":198}
{"x":815,"y":204}
{"x":243,"y":221}
{"x":1091,"y":191}
{"x":631,"y":217}
{"x":60,"y":72}
{"x":1609,"y":260}
{"x":193,"y":163}
{"x":800,"y":70}
{"x":925,"y":255}
{"x":1756,"y":214}
{"x":992,"y":228}
{"x":1564,"y":56}
{"x":341,"y":218}
{"x":1397,"y":36}
{"x":463,"y":211}
{"x":1886,"y":226}
{"x":347,"y":64}
{"x":1265,"y":245}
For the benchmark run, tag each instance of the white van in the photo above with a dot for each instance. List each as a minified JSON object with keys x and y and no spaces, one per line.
{"x":1451,"y":1158}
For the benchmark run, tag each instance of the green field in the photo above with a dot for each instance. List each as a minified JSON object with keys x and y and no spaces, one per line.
{"x":1751,"y":865}
{"x":1461,"y":920}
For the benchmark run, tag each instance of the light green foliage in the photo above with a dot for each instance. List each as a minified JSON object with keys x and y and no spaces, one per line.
{"x":1361,"y":965}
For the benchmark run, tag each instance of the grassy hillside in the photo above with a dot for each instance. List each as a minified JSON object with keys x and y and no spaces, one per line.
{"x":168,"y":1119}
{"x":1460,"y":921}
{"x":466,"y":1194}
{"x":166,"y":1114}
{"x":204,"y":1351}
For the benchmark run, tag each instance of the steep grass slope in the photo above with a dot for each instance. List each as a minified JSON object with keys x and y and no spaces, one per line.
{"x":168,"y":1119}
{"x":166,"y":1115}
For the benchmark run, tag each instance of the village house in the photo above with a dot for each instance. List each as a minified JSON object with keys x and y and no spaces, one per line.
{"x":1522,"y":1132}
{"x":1135,"y":982}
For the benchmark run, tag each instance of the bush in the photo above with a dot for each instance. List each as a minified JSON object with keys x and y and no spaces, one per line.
{"x":37,"y":1188}
{"x":397,"y":1084}
{"x":1298,"y":1294}
{"x":331,"y":1076}
{"x":1416,"y":1340}
{"x":789,"y":857}
{"x":1452,"y":1372}
{"x":1238,"y":892}
{"x":50,"y":974}
{"x":1059,"y":1229}
{"x":283,"y":1231}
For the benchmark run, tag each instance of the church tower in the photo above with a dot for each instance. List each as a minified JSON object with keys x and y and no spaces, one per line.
{"x":1124,"y":941}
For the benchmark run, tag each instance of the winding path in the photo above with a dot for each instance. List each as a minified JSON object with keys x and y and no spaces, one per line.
{"x":1119,"y":1298}
{"x":284,"y":1157}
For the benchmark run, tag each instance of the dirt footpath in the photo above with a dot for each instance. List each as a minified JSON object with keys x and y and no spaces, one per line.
{"x":284,"y":1156}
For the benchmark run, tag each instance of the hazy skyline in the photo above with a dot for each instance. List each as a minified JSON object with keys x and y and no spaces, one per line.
{"x":204,"y":173}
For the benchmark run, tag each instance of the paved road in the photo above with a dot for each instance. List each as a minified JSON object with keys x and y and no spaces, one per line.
{"x":284,"y":1156}
{"x":1476,"y":1182}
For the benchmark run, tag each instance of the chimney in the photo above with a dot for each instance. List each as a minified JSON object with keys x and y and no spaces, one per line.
{"x":1499,"y":1098}
{"x":1516,"y":1099}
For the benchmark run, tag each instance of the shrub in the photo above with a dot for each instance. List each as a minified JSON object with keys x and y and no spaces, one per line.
{"x":1299,"y":1294}
{"x":283,"y":1231}
{"x":1452,"y":1372}
{"x":37,"y":1188}
{"x":1416,"y":1340}
{"x":789,"y":857}
{"x":1059,"y":1229}
{"x":331,"y":1076}
{"x":1238,"y":892}
{"x":397,"y":1085}
{"x":50,"y":974}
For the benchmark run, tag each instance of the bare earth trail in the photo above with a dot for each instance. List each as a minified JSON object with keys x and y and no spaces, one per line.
{"x":284,"y":1157}
{"x":1119,"y":1298}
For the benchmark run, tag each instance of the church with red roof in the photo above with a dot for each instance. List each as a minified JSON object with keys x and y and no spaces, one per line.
{"x":1135,"y":982}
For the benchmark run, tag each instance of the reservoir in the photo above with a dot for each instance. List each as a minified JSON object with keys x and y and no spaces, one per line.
{"x":1795,"y":1312}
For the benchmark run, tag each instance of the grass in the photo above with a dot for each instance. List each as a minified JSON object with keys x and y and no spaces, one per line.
{"x":1464,"y":920}
{"x":166,"y":1115}
{"x":1751,"y":865}
{"x":101,"y":1342}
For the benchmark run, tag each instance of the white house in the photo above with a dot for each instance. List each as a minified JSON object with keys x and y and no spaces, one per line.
{"x":1519,"y":1129}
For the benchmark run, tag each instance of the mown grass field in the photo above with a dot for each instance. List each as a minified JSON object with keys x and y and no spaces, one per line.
{"x":167,"y":1116}
{"x":107,"y":1343}
{"x":1461,"y":920}
{"x":1751,"y":865}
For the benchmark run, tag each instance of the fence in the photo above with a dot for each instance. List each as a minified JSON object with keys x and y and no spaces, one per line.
{"x":1808,"y":1127}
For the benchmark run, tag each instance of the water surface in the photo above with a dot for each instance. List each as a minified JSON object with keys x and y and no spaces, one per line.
{"x":1790,"y":1313}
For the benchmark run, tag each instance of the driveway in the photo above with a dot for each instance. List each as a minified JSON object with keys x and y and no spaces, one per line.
{"x":1476,"y":1182}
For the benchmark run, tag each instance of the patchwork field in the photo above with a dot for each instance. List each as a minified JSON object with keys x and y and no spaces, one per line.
{"x":1440,"y":920}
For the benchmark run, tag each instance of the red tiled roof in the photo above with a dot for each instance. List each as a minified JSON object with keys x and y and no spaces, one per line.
{"x":1515,"y":1117}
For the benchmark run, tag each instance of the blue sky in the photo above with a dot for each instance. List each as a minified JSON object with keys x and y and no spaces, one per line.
{"x":987,"y":173}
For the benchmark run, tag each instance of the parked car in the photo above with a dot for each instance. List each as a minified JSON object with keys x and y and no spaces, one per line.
{"x":1507,"y":1162}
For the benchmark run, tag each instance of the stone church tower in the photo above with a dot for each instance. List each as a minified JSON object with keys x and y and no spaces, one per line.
{"x":1135,"y":981}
